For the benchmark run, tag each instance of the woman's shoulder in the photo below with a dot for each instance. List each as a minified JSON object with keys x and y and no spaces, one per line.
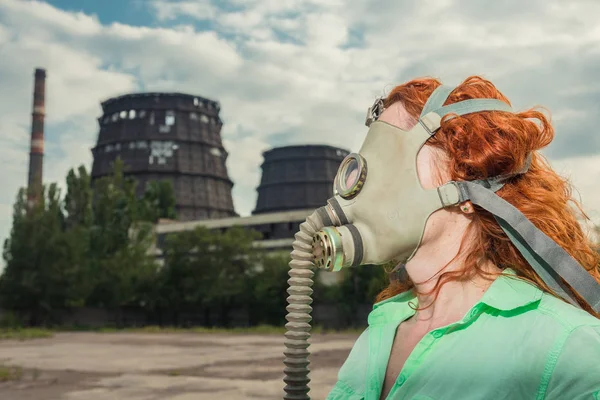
{"x":574,"y":366}
{"x":567,"y":315}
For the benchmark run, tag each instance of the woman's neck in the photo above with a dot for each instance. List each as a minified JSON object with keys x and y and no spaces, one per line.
{"x":454,"y":298}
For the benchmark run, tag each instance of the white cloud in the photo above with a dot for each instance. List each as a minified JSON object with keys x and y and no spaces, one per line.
{"x":283,"y":67}
{"x":326,"y":31}
{"x":75,"y":83}
{"x":171,"y":10}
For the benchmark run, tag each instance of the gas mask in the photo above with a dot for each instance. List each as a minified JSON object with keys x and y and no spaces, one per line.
{"x":380,"y":209}
{"x":379,"y":212}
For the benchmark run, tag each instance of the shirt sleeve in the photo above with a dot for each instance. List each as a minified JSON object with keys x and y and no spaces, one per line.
{"x":576,"y":374}
{"x":352,"y":374}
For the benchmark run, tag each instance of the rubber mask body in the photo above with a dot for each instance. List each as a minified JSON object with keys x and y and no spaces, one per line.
{"x":392,"y":208}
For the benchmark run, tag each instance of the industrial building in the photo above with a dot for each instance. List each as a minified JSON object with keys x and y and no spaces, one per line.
{"x":297,"y":177}
{"x":177,"y":137}
{"x":36,"y":149}
{"x":295,"y":181}
{"x":168,"y":136}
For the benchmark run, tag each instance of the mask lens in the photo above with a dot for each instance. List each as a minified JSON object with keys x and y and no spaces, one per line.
{"x":351,"y":176}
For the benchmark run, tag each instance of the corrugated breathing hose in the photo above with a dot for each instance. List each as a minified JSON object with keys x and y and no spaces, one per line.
{"x":299,"y":308}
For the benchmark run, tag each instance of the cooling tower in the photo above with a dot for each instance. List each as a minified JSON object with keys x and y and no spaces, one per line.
{"x":168,"y":136}
{"x":297,"y":177}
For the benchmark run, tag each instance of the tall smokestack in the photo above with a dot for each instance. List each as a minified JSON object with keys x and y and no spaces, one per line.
{"x":36,"y":153}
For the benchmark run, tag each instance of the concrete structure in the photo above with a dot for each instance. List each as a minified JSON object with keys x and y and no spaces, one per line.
{"x":277,"y":229}
{"x":36,"y":153}
{"x":168,"y":136}
{"x":296,"y":180}
{"x":310,"y":169}
{"x":297,"y":177}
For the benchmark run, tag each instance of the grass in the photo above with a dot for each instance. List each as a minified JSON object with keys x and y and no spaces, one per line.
{"x":260,"y":329}
{"x":24,"y":333}
{"x":10,"y":373}
{"x":39,"y":333}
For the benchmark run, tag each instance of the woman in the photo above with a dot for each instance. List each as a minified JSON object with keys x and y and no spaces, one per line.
{"x":471,"y":319}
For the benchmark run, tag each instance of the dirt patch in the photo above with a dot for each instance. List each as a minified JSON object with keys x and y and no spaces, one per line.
{"x":264,"y":369}
{"x":94,"y":366}
{"x":329,"y":358}
{"x":163,"y":342}
{"x":37,"y":384}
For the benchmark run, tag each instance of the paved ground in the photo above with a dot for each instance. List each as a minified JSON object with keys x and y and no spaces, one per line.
{"x":90,"y":366}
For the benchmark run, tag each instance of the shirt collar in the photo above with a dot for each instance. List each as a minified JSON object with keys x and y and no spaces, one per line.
{"x":506,"y":293}
{"x":396,"y":308}
{"x":509,"y":292}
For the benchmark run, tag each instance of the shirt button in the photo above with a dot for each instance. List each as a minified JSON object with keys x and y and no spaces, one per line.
{"x":437,"y":334}
{"x":401,"y":380}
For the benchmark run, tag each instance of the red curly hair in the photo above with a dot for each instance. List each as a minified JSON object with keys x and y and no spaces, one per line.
{"x":486,"y":144}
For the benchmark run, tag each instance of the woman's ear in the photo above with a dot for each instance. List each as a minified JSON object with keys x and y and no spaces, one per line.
{"x":467,"y":207}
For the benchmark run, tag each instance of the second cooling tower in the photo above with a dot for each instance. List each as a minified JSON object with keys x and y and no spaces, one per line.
{"x":297,"y":177}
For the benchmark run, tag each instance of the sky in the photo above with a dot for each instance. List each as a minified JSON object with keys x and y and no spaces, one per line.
{"x":290,"y":72}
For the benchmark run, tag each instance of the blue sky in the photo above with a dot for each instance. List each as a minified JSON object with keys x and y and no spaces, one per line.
{"x":290,"y":71}
{"x":109,"y":11}
{"x":134,"y":12}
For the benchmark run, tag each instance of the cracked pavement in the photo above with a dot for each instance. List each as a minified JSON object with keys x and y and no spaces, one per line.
{"x":173,"y":366}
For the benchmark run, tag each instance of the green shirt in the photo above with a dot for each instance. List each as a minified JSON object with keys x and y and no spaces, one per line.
{"x":516,"y":343}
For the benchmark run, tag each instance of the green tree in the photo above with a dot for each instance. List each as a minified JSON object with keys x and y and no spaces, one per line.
{"x":209,"y":270}
{"x":42,"y":274}
{"x":114,"y":210}
{"x":158,"y":201}
{"x":89,"y":248}
{"x":270,"y":290}
{"x":78,"y":224}
{"x":119,"y":259}
{"x":187,"y":277}
{"x":78,"y":200}
{"x":235,"y":261}
{"x":18,"y":279}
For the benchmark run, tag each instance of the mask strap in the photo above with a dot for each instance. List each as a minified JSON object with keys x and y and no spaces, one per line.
{"x":437,"y":99}
{"x":496,"y":183}
{"x":550,"y":261}
{"x":432,"y":120}
{"x":472,"y":106}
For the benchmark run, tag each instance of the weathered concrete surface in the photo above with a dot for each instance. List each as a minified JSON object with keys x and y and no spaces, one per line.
{"x":89,"y":366}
